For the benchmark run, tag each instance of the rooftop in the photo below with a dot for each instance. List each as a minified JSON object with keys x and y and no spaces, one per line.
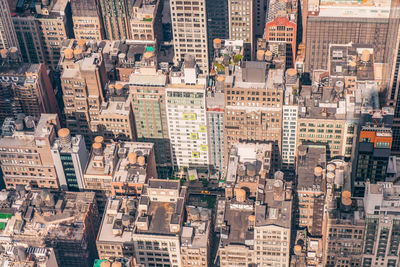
{"x":277,"y":207}
{"x":41,"y":215}
{"x":248,"y":160}
{"x":24,"y":131}
{"x":196,"y":229}
{"x":311,"y":163}
{"x":130,"y":169}
{"x":238,"y":230}
{"x":159,"y":211}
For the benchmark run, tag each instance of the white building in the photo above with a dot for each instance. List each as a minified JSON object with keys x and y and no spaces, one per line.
{"x":189,"y":25}
{"x":186,"y":115}
{"x":290,"y":113}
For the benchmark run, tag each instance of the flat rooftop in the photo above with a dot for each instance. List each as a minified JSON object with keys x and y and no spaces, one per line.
{"x":315,"y":156}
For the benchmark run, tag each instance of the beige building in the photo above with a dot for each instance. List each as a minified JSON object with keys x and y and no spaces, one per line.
{"x":146,"y":20}
{"x":272,"y":226}
{"x":248,"y":165}
{"x":343,"y":237}
{"x":241,"y":24}
{"x":189,"y":25}
{"x":253,"y":106}
{"x":53,"y":21}
{"x":311,"y":187}
{"x":83,"y":79}
{"x":86,"y":19}
{"x":113,"y":170}
{"x":116,"y":121}
{"x":41,"y":29}
{"x":66,"y":222}
{"x":148,"y":228}
{"x":195,"y":237}
{"x":25,"y":151}
{"x":257,"y":230}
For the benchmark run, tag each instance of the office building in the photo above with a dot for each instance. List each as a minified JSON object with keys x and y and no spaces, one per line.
{"x":260,"y":7}
{"x":241,"y":24}
{"x":246,"y":226}
{"x":217,"y":23}
{"x":25,"y":88}
{"x":147,"y":88}
{"x":189,"y":25}
{"x":116,"y":18}
{"x":41,"y":27}
{"x":372,"y":148}
{"x":329,"y":113}
{"x":149,"y":228}
{"x":381,"y":206}
{"x":247,"y":166}
{"x":26,"y":152}
{"x":28,"y":33}
{"x":311,"y":187}
{"x":145,"y":22}
{"x":253,"y":106}
{"x":135,"y":167}
{"x":83,"y":79}
{"x":345,"y":221}
{"x":113,"y":170}
{"x":273,"y":222}
{"x":195,"y":237}
{"x":227,"y":54}
{"x":290,"y":113}
{"x":55,"y":25}
{"x":87,"y":21}
{"x":70,"y":158}
{"x":392,"y":60}
{"x":23,"y":255}
{"x":344,"y":22}
{"x":307,"y":251}
{"x":186,"y":114}
{"x":8,"y":37}
{"x":281,"y":27}
{"x":66,"y":223}
{"x":116,"y":121}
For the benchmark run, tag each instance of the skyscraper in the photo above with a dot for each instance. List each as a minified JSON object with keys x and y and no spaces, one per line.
{"x":372,"y":148}
{"x":186,"y":114}
{"x":392,"y":60}
{"x":189,"y":24}
{"x":83,"y":80}
{"x":342,"y":23}
{"x":382,"y":230}
{"x":241,"y":24}
{"x":8,"y":37}
{"x":24,"y":88}
{"x":217,"y":22}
